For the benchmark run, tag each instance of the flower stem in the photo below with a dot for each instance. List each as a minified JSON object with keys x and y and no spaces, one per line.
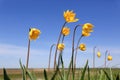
{"x":63,"y":38}
{"x":72,"y":57}
{"x":57,"y":45}
{"x":105,"y":57}
{"x":94,"y":57}
{"x":28,"y":54}
{"x":76,"y":50}
{"x":50,"y":56}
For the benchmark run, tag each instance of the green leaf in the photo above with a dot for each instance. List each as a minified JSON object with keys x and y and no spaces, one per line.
{"x":117,"y":77}
{"x":23,"y":71}
{"x":88,"y":73}
{"x":63,"y":70}
{"x":101,"y":75}
{"x":54,"y":75}
{"x":84,"y":70}
{"x":30,"y":75}
{"x":67,"y":76}
{"x":107,"y":75}
{"x":111,"y":74}
{"x":45,"y":75}
{"x":6,"y":77}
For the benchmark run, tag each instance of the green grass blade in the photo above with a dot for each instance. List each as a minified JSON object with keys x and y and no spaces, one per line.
{"x":101,"y":75}
{"x":107,"y":75}
{"x":54,"y":75}
{"x":45,"y":75}
{"x":111,"y":74}
{"x":63,"y":70}
{"x":23,"y":71}
{"x":30,"y":75}
{"x":69,"y":68}
{"x":84,"y":70}
{"x":88,"y":73}
{"x":117,"y":77}
{"x":6,"y":77}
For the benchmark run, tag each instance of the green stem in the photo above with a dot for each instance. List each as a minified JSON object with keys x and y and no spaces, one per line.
{"x":50,"y":56}
{"x":105,"y":57}
{"x":57,"y":45}
{"x":72,"y":57}
{"x":28,"y":54}
{"x":77,"y":50}
{"x":94,"y":57}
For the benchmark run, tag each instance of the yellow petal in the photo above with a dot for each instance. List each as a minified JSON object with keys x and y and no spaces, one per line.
{"x":34,"y":33}
{"x":60,"y":46}
{"x":82,"y":47}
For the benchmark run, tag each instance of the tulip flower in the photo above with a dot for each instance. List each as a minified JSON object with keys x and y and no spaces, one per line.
{"x":34,"y":33}
{"x":66,"y":31}
{"x":86,"y":29}
{"x":109,"y":58}
{"x":98,"y":54}
{"x":61,"y":46}
{"x":82,"y":47}
{"x":69,"y":16}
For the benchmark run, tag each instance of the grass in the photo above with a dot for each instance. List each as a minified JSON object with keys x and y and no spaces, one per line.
{"x":16,"y":74}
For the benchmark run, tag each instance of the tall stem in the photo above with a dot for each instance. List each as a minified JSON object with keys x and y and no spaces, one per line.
{"x":105,"y":57}
{"x":50,"y":56}
{"x":28,"y":54}
{"x":73,"y":40}
{"x":63,"y":38}
{"x":76,"y":51}
{"x":94,"y":57}
{"x":72,"y":57}
{"x":57,"y":45}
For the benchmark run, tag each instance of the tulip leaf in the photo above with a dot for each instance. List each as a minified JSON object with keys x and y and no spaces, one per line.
{"x":6,"y":77}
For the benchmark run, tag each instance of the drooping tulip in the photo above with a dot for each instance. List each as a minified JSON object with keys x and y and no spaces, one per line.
{"x":82,"y":47}
{"x":66,"y":31}
{"x":87,"y":29}
{"x":109,"y":58}
{"x":98,"y":54}
{"x":60,"y":46}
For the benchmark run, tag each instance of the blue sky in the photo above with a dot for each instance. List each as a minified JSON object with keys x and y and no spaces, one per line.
{"x":17,"y":16}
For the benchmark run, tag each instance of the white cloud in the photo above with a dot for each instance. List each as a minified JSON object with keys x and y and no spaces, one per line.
{"x":13,"y":49}
{"x":40,"y":56}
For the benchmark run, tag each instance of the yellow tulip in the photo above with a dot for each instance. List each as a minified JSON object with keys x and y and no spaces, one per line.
{"x":82,"y":47}
{"x":98,"y":54}
{"x":69,"y":16}
{"x":85,"y":33}
{"x":34,"y":33}
{"x":66,"y":31}
{"x":86,"y":29}
{"x":61,"y":46}
{"x":109,"y":58}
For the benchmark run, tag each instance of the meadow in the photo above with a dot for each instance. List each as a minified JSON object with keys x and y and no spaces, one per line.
{"x":95,"y":73}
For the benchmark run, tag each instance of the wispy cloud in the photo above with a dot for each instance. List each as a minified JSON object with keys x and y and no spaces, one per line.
{"x":40,"y":56}
{"x":14,"y":49}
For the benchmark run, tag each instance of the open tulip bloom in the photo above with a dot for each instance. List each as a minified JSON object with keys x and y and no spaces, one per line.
{"x":34,"y":33}
{"x":69,"y":16}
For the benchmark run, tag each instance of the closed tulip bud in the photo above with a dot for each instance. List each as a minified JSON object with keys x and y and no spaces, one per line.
{"x":66,"y":31}
{"x":109,"y":58}
{"x":82,"y":47}
{"x":60,"y":46}
{"x":98,"y":54}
